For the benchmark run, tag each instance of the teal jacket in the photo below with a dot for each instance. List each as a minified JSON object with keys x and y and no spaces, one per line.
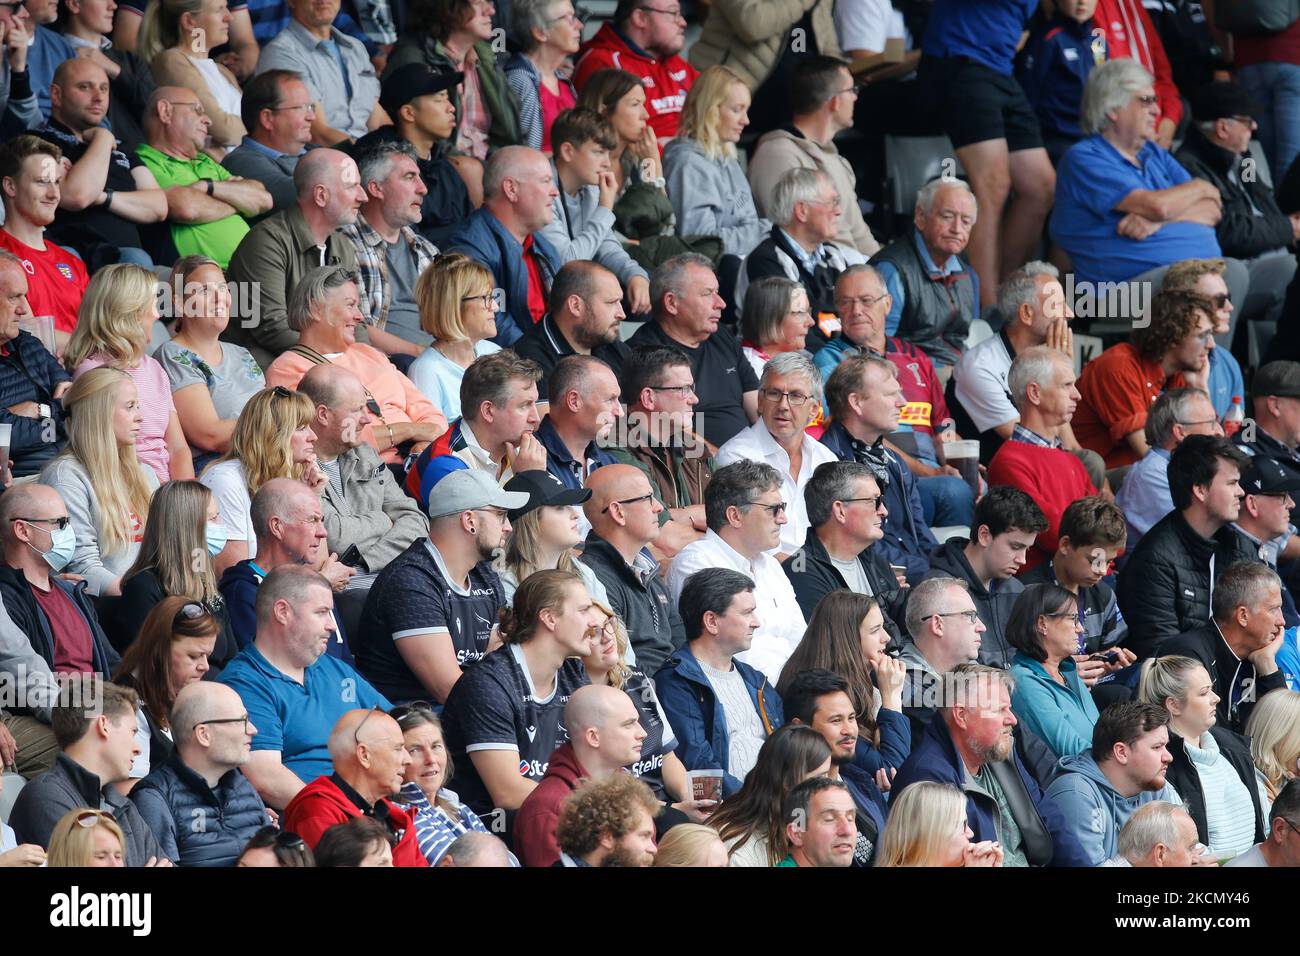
{"x":1063,"y":716}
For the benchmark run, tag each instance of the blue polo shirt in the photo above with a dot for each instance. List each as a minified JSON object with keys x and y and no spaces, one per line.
{"x":1225,"y":381}
{"x":985,"y":31}
{"x":560,"y":463}
{"x":1091,"y":181}
{"x":296,"y":719}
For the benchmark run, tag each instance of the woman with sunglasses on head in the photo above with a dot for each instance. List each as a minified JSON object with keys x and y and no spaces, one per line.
{"x":210,"y":380}
{"x":659,"y":766}
{"x":846,"y":635}
{"x":440,"y":817}
{"x":86,"y":837}
{"x":545,"y":534}
{"x":1049,"y":697}
{"x":172,"y":650}
{"x":182,"y":535}
{"x":459,"y":309}
{"x":105,"y":487}
{"x":273,"y":847}
{"x":272,"y":439}
{"x":114,"y":327}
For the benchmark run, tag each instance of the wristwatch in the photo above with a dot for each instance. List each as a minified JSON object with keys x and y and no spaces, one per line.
{"x":211,"y":187}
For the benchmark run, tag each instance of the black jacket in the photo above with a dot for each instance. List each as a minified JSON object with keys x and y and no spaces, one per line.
{"x":1241,"y":233}
{"x":1186,"y":780}
{"x":1164,"y":588}
{"x":1232,"y":677}
{"x":161,"y":746}
{"x":67,"y":786}
{"x":653,"y":624}
{"x":141,"y":593}
{"x":813,"y":576}
{"x":994,"y":606}
{"x":29,"y":373}
{"x":31,"y":620}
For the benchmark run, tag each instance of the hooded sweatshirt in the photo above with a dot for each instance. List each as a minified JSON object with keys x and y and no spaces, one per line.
{"x":1094,"y":809}
{"x":994,"y":603}
{"x":534,"y":830}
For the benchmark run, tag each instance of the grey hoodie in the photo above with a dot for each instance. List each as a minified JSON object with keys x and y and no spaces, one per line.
{"x":711,"y":197}
{"x":580,"y":228}
{"x":1095,"y":810}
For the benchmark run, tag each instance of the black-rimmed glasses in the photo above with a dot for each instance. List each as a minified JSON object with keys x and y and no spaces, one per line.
{"x":226,"y":720}
{"x":629,"y":501}
{"x":873,"y":500}
{"x":972,"y":616}
{"x":60,"y":523}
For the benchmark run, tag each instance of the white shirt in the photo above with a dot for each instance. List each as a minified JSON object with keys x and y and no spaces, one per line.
{"x":781,"y":622}
{"x":757,"y":444}
{"x":981,"y":384}
{"x":867,"y":24}
{"x":229,"y":486}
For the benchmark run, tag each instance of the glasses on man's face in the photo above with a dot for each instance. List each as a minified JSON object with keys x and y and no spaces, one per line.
{"x":1148,"y":100}
{"x":680,"y":389}
{"x":972,"y":616}
{"x":300,"y":108}
{"x":196,"y":106}
{"x":772,"y":510}
{"x":833,"y":201}
{"x":499,"y":513}
{"x":60,"y":522}
{"x":627,"y":501}
{"x":871,"y":501}
{"x":228,"y":720}
{"x":1247,"y":121}
{"x":1207,"y":421}
{"x":848,"y":304}
{"x":775,"y":395}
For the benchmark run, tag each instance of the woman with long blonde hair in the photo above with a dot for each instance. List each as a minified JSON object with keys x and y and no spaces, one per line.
{"x":691,"y":844}
{"x":114,"y":325}
{"x":272,"y":439}
{"x":544,"y":534}
{"x":104,"y":486}
{"x":1274,"y":733}
{"x":176,"y":39}
{"x":183,"y":534}
{"x":710,"y":193}
{"x":458,"y":308}
{"x":85,"y":837}
{"x":927,"y":827}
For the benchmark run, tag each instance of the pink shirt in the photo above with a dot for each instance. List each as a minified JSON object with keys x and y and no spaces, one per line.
{"x":553,"y":104}
{"x":156,"y":409}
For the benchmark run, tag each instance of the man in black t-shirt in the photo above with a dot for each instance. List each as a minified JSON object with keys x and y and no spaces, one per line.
{"x":432,"y":611}
{"x":687,"y":309}
{"x":106,"y":192}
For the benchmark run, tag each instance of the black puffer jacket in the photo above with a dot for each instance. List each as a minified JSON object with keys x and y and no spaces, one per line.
{"x":1241,"y":233}
{"x":813,"y":576}
{"x":994,"y":606}
{"x":1164,"y":588}
{"x":1185,"y":778}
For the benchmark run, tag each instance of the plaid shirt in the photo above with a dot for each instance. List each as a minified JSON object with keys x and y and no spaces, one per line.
{"x":1022,"y":434}
{"x":372,"y":266}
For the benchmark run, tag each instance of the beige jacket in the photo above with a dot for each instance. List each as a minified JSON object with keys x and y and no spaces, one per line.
{"x":173,"y":68}
{"x":780,"y":151}
{"x":747,"y":35}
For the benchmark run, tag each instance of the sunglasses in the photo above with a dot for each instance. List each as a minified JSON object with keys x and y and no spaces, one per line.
{"x":403,"y":713}
{"x":189,"y":612}
{"x":88,"y":818}
{"x":60,"y":523}
{"x":356,"y":734}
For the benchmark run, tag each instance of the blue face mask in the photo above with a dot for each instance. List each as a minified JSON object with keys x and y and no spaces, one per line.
{"x":215,"y":536}
{"x":63,"y":542}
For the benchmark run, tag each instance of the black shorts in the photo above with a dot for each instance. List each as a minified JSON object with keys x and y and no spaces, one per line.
{"x":973,"y":103}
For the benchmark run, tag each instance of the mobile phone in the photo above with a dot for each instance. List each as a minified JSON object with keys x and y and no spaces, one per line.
{"x":352,"y":558}
{"x":1110,"y":657}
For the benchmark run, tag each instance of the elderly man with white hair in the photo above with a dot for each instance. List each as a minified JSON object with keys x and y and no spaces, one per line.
{"x":1125,"y":209}
{"x":789,"y":396}
{"x":934,"y":292}
{"x":1159,"y":834}
{"x":504,"y":235}
{"x":199,"y":804}
{"x":805,"y":210}
{"x":1041,"y":383}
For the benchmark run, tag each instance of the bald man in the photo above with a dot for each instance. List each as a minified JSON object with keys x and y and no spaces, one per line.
{"x":369,"y":757}
{"x":605,"y":735}
{"x":206,"y":205}
{"x":199,"y":804}
{"x":285,"y":246}
{"x":504,"y":235}
{"x":476,"y":849}
{"x":624,"y":516}
{"x":106,"y":193}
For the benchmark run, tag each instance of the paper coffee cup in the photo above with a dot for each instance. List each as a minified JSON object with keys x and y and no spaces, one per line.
{"x":705,"y":784}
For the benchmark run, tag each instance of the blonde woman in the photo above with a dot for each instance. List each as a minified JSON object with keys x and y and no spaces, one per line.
{"x":106,"y":489}
{"x":271,"y":439}
{"x":1212,"y":769}
{"x":183,"y":535}
{"x":211,"y":380}
{"x":691,"y":844}
{"x":710,"y":194}
{"x":544,"y":533}
{"x":85,"y":837}
{"x":176,"y":38}
{"x":927,"y":827}
{"x":114,"y":324}
{"x":458,"y":308}
{"x":1274,"y":734}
